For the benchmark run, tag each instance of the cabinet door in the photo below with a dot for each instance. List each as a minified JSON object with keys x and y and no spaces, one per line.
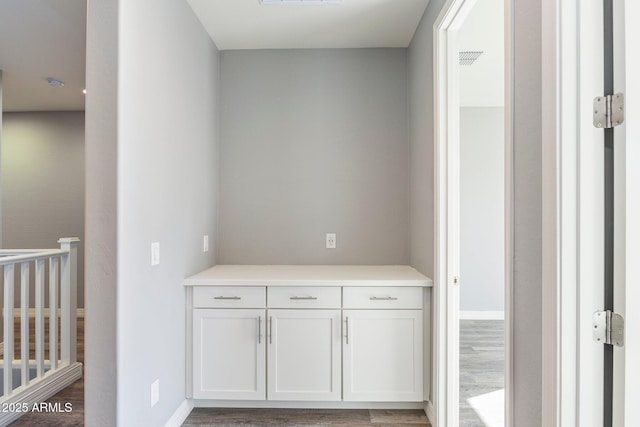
{"x":304,"y":355}
{"x":229,"y":354}
{"x":382,"y":353}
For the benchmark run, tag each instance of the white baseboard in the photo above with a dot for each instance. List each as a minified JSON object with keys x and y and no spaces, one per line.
{"x":431,"y":416}
{"x":181,"y":414}
{"x":481,"y":315}
{"x":281,"y":404}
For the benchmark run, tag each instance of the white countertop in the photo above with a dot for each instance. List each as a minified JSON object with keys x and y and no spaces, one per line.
{"x":310,"y":275}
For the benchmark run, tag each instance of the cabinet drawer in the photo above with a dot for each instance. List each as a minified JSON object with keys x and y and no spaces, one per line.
{"x":383,"y":297}
{"x":229,"y":297}
{"x":303,"y":297}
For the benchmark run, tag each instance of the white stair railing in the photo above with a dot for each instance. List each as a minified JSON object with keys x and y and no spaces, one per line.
{"x":62,"y":284}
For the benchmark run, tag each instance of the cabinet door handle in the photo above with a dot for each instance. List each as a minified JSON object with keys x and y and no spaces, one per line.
{"x":270,"y":330}
{"x":259,"y":329}
{"x":383,"y":298}
{"x":227,"y":298}
{"x":347,"y":328}
{"x":303,"y":298}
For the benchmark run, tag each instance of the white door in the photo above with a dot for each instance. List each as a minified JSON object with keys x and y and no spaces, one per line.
{"x":382,"y":352}
{"x":229,"y":354}
{"x":626,"y":380}
{"x":304,"y":355}
{"x":595,"y":404}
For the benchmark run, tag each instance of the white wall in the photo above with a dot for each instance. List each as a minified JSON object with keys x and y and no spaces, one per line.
{"x":166,"y":118}
{"x":43,"y":182}
{"x":314,"y":141}
{"x":482,"y":209}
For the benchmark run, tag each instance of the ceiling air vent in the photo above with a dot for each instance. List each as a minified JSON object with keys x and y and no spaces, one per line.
{"x":468,"y":57}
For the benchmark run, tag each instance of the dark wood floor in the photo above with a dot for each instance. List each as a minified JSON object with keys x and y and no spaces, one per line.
{"x":74,"y":394}
{"x":481,"y":364}
{"x":481,"y":371}
{"x":201,"y":417}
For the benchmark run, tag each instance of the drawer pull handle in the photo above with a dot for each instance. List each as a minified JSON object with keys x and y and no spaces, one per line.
{"x":383,"y":299}
{"x":303,"y":298}
{"x":227,"y":298}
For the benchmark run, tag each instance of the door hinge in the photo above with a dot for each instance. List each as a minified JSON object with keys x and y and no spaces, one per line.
{"x":608,"y":328}
{"x":608,"y":111}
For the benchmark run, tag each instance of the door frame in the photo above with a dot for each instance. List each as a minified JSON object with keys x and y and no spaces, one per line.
{"x":446,"y":291}
{"x":560,"y":209}
{"x":572,"y":75}
{"x":568,"y":297}
{"x":631,"y":130}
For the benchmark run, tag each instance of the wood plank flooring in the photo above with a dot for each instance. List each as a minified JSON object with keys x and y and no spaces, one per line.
{"x":481,"y":364}
{"x":481,"y":371}
{"x":210,"y":417}
{"x":73,"y":394}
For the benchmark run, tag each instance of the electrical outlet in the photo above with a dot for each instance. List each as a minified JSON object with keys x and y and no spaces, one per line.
{"x":155,"y":253}
{"x":155,"y":392}
{"x":331,"y":240}
{"x":205,"y":243}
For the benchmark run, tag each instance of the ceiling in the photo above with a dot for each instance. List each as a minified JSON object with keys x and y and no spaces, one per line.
{"x":248,"y":24}
{"x":482,"y":84}
{"x":46,"y":38}
{"x":40,"y":39}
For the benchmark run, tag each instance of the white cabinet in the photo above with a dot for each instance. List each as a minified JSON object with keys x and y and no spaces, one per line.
{"x":304,"y":355}
{"x":228,"y":342}
{"x":382,"y":351}
{"x":281,"y":340}
{"x":229,"y":354}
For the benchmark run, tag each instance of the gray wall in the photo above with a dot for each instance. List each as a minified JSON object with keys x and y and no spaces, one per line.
{"x":167,"y":181}
{"x":144,"y":295}
{"x":314,"y":141}
{"x":1,"y":110}
{"x":43,"y":182}
{"x":421,"y":157}
{"x":482,"y":209}
{"x":527,"y":217}
{"x":527,"y":214}
{"x":421,"y":148}
{"x":101,"y":130}
{"x":161,"y":138}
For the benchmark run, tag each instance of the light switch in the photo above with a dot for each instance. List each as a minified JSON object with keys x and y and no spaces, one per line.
{"x":205,"y":243}
{"x":155,"y":392}
{"x":155,"y":253}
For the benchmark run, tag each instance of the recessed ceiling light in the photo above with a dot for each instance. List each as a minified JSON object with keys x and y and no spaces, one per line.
{"x":300,"y":2}
{"x":54,"y":82}
{"x":84,"y":91}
